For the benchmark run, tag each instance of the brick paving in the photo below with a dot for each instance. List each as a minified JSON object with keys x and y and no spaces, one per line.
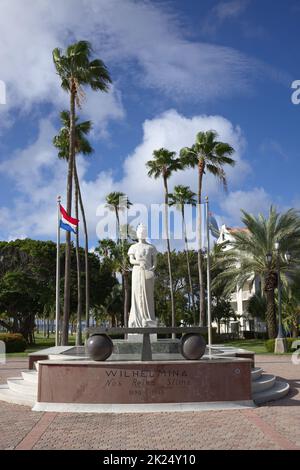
{"x":272,"y":426}
{"x":15,"y":423}
{"x":13,"y":368}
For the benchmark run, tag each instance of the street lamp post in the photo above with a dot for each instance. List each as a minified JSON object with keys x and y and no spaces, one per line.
{"x":280,"y":341}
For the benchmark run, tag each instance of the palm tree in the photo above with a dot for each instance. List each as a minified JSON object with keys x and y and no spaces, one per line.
{"x":76,"y":70}
{"x":184,"y":195}
{"x":121,"y":256}
{"x":79,"y":297}
{"x":247,"y":259}
{"x":117,"y":256}
{"x":117,"y":202}
{"x":82,"y":145}
{"x":257,"y":306}
{"x":208,"y":155}
{"x":163,"y":165}
{"x":105,"y":250}
{"x":112,"y":306}
{"x":291,"y":308}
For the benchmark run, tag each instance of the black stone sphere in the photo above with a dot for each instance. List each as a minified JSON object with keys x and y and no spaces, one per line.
{"x":192,"y":346}
{"x":99,"y":347}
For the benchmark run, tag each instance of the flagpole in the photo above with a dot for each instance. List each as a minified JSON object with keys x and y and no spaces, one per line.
{"x":208,"y":277}
{"x":57,"y":307}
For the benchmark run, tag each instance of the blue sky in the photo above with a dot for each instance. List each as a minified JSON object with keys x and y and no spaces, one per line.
{"x":178,"y":67}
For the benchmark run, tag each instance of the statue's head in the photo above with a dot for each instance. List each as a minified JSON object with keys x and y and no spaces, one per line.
{"x":141,"y":232}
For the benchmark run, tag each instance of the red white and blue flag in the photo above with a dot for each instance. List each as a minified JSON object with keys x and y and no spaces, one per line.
{"x":67,"y":222}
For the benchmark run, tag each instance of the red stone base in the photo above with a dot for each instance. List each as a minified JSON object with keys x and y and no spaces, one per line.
{"x":33,"y":359}
{"x":144,"y":382}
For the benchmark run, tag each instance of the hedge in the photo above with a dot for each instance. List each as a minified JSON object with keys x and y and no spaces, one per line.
{"x":270,"y":344}
{"x":14,"y":342}
{"x":254,"y":335}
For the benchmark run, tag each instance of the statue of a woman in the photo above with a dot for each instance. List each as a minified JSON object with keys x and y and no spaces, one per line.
{"x":142,"y":256}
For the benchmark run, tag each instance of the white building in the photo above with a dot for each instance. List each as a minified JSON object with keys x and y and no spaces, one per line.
{"x":240,"y":298}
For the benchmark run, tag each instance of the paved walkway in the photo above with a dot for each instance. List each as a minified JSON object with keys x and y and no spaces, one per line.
{"x":272,"y":426}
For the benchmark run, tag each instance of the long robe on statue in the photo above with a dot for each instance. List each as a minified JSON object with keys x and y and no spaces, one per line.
{"x":142,"y":313}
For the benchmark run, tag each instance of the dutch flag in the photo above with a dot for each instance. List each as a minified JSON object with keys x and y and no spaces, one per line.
{"x":66,"y":222}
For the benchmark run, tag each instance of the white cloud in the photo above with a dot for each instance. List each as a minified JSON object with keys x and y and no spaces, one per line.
{"x":221,"y":12}
{"x":152,"y":37}
{"x":101,"y":108}
{"x":26,"y":58}
{"x":174,"y":131}
{"x":144,"y":42}
{"x":255,"y":201}
{"x":230,"y":9}
{"x":26,"y":165}
{"x":39,"y":176}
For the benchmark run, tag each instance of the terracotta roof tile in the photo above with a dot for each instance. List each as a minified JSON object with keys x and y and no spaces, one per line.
{"x":237,"y":229}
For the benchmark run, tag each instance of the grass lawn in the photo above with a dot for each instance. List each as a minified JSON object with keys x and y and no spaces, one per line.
{"x":40,"y":343}
{"x":255,"y":345}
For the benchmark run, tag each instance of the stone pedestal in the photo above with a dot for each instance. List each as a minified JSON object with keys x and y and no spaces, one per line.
{"x":90,"y":382}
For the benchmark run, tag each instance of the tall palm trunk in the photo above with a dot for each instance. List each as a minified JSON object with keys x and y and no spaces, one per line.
{"x":125,"y":283}
{"x":188,"y":263}
{"x":295,"y":329}
{"x":169,"y":251}
{"x":86,"y":252}
{"x":66,"y":313}
{"x":271,"y":313}
{"x":200,"y":259}
{"x":118,"y":224}
{"x":79,"y":299}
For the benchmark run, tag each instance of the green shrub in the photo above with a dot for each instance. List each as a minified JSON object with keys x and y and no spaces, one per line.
{"x":248,"y":334}
{"x":214,"y":336}
{"x":14,"y":342}
{"x":270,"y":344}
{"x":260,"y":335}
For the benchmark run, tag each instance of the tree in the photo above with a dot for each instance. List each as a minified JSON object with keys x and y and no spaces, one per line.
{"x":27,"y":284}
{"x":179,"y":288}
{"x":117,"y":256}
{"x":208,"y":155}
{"x":247,"y":259}
{"x":183,"y":195}
{"x":116,"y":202}
{"x":291,"y":308}
{"x":76,"y":70}
{"x":164,"y":163}
{"x":257,"y":306}
{"x":34,"y":258}
{"x":28,"y":278}
{"x":20,"y":300}
{"x":112,"y":306}
{"x":82,"y":145}
{"x":105,"y":249}
{"x":222,"y":311}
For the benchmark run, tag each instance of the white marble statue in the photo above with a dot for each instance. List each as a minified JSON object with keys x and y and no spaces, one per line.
{"x":142,"y":256}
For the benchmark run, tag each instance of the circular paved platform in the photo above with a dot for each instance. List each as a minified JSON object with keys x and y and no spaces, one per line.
{"x":272,"y":426}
